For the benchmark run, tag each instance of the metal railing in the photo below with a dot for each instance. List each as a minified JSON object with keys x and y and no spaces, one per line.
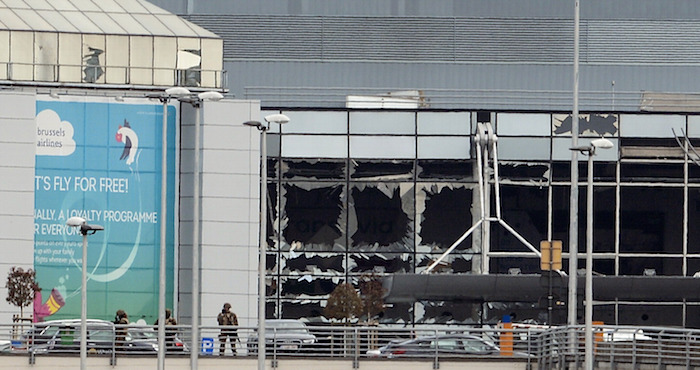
{"x":547,"y":348}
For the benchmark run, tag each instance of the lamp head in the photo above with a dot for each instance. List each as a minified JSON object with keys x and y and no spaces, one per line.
{"x":257,"y":124}
{"x":177,"y":91}
{"x":277,"y":118}
{"x":75,"y":221}
{"x":602,"y":143}
{"x":210,"y":95}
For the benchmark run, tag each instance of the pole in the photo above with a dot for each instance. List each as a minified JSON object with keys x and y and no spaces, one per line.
{"x":262,"y":246}
{"x":83,"y":307}
{"x":163,"y":231}
{"x":194,"y":350}
{"x":589,"y":263}
{"x":573,"y":201}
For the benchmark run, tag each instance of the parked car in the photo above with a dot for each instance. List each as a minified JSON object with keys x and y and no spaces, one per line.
{"x":283,"y":336}
{"x":59,"y":336}
{"x":448,"y":345}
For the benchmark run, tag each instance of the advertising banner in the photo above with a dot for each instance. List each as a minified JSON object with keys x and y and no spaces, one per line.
{"x":101,"y":161}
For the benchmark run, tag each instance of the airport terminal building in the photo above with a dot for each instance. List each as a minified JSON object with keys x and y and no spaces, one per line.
{"x":381,"y":167}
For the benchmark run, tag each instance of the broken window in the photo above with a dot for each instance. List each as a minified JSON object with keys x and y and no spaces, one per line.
{"x":524,"y":208}
{"x":651,"y":220}
{"x":307,"y":309}
{"x":445,"y":170}
{"x":313,"y":169}
{"x":454,"y":262}
{"x":651,"y":172}
{"x":382,"y":170}
{"x":313,"y":263}
{"x":693,"y":222}
{"x":523,"y":171}
{"x":446,"y":215}
{"x":448,"y":312}
{"x":312,"y":214}
{"x":588,"y":124}
{"x":306,"y":287}
{"x":380,"y":263}
{"x":382,"y":215}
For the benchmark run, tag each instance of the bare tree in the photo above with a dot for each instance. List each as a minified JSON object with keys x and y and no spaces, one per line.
{"x":372,"y":293}
{"x":343,"y":303}
{"x":21,"y":286}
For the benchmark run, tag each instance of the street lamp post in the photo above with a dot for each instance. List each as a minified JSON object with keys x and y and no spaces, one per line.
{"x":164,"y":99}
{"x":85,"y":230}
{"x":263,"y":127}
{"x":601,"y":143}
{"x":196,"y":102}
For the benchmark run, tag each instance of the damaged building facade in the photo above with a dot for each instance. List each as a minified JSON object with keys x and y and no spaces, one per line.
{"x":376,"y":172}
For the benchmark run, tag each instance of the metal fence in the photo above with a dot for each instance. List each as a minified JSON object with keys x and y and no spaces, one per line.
{"x":543,"y":347}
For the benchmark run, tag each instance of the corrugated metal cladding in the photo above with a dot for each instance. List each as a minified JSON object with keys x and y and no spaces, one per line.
{"x":590,"y":9}
{"x":493,"y":40}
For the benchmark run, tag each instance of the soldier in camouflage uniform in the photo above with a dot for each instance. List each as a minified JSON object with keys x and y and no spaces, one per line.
{"x":227,"y":320}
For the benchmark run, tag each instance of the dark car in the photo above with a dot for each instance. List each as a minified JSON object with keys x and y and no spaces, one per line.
{"x":283,"y":336}
{"x":449,"y":345}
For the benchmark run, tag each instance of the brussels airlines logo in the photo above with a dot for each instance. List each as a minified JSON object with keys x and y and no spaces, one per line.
{"x":131,"y":142}
{"x":53,"y":136}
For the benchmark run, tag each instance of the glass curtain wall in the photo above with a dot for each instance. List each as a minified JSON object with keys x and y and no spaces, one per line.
{"x":356,"y":192}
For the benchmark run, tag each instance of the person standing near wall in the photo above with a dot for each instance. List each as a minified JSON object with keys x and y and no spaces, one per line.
{"x":227,"y":320}
{"x":121,"y":320}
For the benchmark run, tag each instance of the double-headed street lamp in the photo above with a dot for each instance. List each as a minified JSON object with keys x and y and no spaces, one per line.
{"x":173,"y":92}
{"x":590,"y":150}
{"x":196,"y":102}
{"x":86,"y":230}
{"x":263,"y":127}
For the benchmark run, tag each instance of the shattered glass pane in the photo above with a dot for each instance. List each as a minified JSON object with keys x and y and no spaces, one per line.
{"x":312,"y":215}
{"x":651,"y":220}
{"x":524,"y":209}
{"x":397,"y":313}
{"x":307,"y":286}
{"x":313,"y":169}
{"x":447,"y":312}
{"x":588,"y":124}
{"x":382,"y":170}
{"x":454,"y":262}
{"x":446,"y":170}
{"x":313,"y":263}
{"x":652,"y":172}
{"x":693,"y":219}
{"x":381,"y":216}
{"x":524,"y":171}
{"x":307,"y":309}
{"x":445,"y":213}
{"x":380,"y":263}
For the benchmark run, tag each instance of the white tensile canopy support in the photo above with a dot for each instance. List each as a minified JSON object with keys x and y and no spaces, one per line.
{"x":485,"y":139}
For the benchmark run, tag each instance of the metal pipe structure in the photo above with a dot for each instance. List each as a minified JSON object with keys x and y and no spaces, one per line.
{"x":279,"y":119}
{"x":84,"y":230}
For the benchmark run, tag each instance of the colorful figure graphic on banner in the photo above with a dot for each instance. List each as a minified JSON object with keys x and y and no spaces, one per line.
{"x":48,"y":308}
{"x":131,"y":142}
